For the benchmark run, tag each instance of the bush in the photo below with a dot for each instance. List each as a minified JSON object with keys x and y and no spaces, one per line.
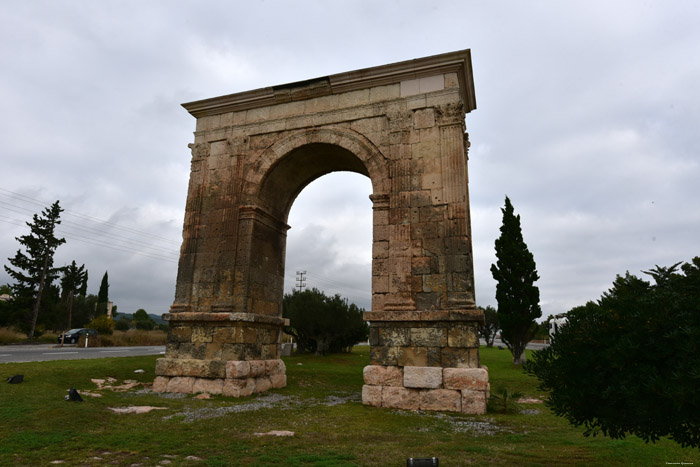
{"x":323,"y":324}
{"x":103,"y":324}
{"x":122,"y":324}
{"x":630,"y":364}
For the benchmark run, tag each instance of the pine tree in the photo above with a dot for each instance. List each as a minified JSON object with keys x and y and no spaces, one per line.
{"x":517,"y":296}
{"x":34,"y":268}
{"x":73,"y":282}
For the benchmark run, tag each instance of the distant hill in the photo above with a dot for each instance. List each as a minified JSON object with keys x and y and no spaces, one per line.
{"x":156,"y":318}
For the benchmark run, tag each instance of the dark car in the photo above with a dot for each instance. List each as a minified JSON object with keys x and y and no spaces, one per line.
{"x":73,"y":336}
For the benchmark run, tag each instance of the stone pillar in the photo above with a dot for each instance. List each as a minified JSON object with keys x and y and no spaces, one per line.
{"x":424,"y":327}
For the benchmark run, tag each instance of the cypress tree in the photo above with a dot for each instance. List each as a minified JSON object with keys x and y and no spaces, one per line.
{"x":517,"y":296}
{"x":103,"y":295}
{"x":34,"y":269}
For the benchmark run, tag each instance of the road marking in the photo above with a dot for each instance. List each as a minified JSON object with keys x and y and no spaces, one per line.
{"x":108,"y":351}
{"x":58,"y":353}
{"x":5,"y":355}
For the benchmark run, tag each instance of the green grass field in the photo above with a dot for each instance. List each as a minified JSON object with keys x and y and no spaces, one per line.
{"x":321,"y":405}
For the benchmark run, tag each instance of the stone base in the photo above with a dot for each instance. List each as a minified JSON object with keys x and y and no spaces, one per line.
{"x":239,"y":378}
{"x":464,"y":390}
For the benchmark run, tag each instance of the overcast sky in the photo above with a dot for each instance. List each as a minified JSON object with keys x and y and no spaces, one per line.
{"x":588,"y":119}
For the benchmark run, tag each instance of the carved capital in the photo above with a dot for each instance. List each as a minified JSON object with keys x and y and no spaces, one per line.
{"x":199,"y":150}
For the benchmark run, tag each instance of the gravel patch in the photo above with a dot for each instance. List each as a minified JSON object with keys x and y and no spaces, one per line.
{"x":455,"y":425}
{"x":267,"y":401}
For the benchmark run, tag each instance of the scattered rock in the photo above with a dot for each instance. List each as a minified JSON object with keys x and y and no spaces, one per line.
{"x":165,"y":462}
{"x":57,"y":462}
{"x":193,"y":458}
{"x":135,"y":409}
{"x":529,"y":400}
{"x":139,"y":371}
{"x":299,"y":364}
{"x":276,"y":433}
{"x":90,"y":394}
{"x":204,"y":395}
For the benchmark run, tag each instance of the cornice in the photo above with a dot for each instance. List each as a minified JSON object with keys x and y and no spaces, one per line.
{"x":453,"y":62}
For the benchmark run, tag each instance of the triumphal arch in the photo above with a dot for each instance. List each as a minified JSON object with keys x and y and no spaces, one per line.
{"x":401,"y":125}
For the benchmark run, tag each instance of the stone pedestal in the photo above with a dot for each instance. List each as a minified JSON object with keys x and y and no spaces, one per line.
{"x":234,"y":354}
{"x":425,"y":364}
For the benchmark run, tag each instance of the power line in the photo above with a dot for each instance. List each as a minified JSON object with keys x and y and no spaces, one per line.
{"x":37,"y":202}
{"x":92,"y":230}
{"x":301,"y":280}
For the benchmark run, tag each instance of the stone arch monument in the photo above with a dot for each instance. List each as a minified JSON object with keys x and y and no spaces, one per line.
{"x":401,"y":125}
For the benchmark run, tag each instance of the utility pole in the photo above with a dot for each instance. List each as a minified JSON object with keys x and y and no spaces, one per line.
{"x":301,"y":280}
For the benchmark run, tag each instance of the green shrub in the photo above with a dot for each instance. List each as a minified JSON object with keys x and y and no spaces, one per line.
{"x":630,"y":364}
{"x":122,"y":324}
{"x":503,"y":400}
{"x":103,"y":324}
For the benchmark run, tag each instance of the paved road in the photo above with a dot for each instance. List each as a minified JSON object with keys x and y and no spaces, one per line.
{"x":46,"y":352}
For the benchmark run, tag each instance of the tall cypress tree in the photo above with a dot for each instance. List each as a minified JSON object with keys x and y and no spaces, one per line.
{"x":103,"y":295}
{"x":34,"y":269}
{"x":517,"y":296}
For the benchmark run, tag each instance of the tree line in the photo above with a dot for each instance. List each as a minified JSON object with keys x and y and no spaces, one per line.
{"x":45,"y":297}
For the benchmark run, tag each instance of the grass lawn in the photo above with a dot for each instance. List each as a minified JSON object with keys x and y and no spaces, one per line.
{"x":321,"y":405}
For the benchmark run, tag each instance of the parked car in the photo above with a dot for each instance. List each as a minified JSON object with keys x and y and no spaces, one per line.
{"x":73,"y":336}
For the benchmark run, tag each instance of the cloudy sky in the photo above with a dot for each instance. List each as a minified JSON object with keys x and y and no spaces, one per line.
{"x":588,"y":118}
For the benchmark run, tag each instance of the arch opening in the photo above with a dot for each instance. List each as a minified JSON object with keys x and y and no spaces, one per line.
{"x":297,"y":169}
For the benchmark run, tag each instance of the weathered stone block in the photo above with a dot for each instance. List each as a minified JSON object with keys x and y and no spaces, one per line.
{"x":400,"y":398}
{"x":454,"y":357}
{"x":422,"y":377}
{"x":211,"y":386}
{"x":237,"y":369}
{"x":424,"y":118}
{"x":262,"y":384}
{"x":160,"y":384}
{"x":257,"y":368}
{"x":373,"y":336}
{"x":278,"y":380}
{"x":393,"y":376}
{"x":374,"y":374}
{"x":473,"y":401}
{"x":238,"y":387}
{"x":462,"y":335}
{"x":383,"y":355}
{"x":181,"y":384}
{"x":428,"y":337}
{"x":441,"y":399}
{"x":395,"y":337}
{"x":372,"y":395}
{"x":201,"y":334}
{"x":180,"y":334}
{"x":190,"y":367}
{"x":412,"y":356}
{"x":465,"y":378}
{"x":275,"y":367}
